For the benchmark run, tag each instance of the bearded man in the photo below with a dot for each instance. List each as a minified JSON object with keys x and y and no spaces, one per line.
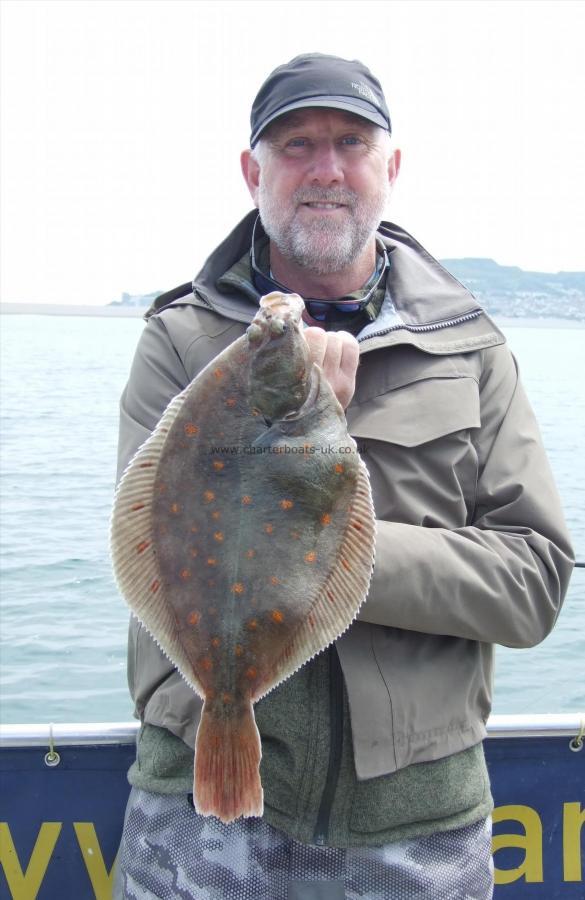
{"x":375,"y":783}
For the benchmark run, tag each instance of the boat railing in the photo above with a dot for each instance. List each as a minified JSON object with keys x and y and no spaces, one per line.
{"x":570,"y":725}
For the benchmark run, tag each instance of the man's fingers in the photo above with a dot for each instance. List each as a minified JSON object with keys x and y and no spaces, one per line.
{"x":316,"y":338}
{"x":337,"y":353}
{"x":350,"y":354}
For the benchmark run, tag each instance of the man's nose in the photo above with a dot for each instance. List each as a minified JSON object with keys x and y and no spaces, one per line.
{"x":326,"y":165}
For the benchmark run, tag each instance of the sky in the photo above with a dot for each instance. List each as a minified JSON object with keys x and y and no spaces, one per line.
{"x":123,"y":120}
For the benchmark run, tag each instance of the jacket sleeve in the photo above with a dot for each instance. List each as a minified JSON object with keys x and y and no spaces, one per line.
{"x":502,"y":578}
{"x":157,"y":375}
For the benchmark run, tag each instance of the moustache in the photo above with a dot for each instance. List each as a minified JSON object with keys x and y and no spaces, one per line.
{"x":325,"y":195}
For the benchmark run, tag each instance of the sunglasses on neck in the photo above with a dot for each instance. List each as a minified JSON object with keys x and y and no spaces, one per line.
{"x":325,"y":311}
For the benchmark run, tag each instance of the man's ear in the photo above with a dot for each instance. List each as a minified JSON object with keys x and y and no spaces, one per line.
{"x":251,"y":173}
{"x":394,"y":166}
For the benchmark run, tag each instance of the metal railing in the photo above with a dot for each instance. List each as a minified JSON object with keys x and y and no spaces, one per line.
{"x":99,"y":733}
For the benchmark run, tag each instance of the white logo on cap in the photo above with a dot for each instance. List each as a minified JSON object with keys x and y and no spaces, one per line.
{"x":364,"y":90}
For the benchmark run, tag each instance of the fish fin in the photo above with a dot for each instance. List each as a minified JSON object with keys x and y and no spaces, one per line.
{"x":341,"y":595}
{"x":227,"y":758}
{"x":132,"y":544}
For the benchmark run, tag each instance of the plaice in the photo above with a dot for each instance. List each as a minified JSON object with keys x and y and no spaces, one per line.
{"x":243,"y":538}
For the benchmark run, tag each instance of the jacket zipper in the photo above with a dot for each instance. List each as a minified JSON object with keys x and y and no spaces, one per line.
{"x":435,"y":326}
{"x":335,"y":747}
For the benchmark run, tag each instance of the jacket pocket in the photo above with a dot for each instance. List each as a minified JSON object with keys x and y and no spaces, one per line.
{"x":418,"y":412}
{"x":417,"y":442}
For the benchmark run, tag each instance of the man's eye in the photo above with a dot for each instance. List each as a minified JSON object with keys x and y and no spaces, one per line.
{"x":297,"y":142}
{"x":351,"y":140}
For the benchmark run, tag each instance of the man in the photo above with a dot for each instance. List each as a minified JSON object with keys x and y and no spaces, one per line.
{"x":373,"y":769}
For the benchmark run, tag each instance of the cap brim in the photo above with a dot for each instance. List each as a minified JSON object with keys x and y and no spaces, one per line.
{"x":356,"y":106}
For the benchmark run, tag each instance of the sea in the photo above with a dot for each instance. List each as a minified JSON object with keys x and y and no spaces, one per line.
{"x":63,"y":625}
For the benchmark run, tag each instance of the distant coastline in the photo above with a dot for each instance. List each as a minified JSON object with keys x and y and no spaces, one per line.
{"x":64,"y":309}
{"x":510,"y":295}
{"x":135,"y":312}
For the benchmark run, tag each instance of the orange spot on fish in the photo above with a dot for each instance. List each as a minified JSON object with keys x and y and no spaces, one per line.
{"x":194,"y":618}
{"x":191,"y":429}
{"x":268,"y":528}
{"x":250,"y":554}
{"x":286,"y":504}
{"x":194,"y":529}
{"x":345,"y":564}
{"x":208,"y":496}
{"x":185,"y":574}
{"x":145,"y":465}
{"x":175,"y":508}
{"x":238,"y":650}
{"x":357,"y":526}
{"x":238,"y":588}
{"x":277,"y":616}
{"x":218,"y":465}
{"x":311,"y":556}
{"x":211,"y":561}
{"x":227,"y":699}
{"x":253,"y":624}
{"x":251,"y":672}
{"x":154,"y":586}
{"x":311,"y":621}
{"x":231,"y":402}
{"x":325,"y":519}
{"x":206,"y":664}
{"x":218,"y":536}
{"x":216,"y":514}
{"x":338,"y":468}
{"x":137,"y":506}
{"x":215,"y":642}
{"x":330,"y":596}
{"x":144,"y":545}
{"x":194,"y":551}
{"x":218,"y":373}
{"x":274,"y":580}
{"x":246,"y":500}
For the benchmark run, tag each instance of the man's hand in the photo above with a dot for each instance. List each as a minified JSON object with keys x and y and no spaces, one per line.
{"x":337,"y":353}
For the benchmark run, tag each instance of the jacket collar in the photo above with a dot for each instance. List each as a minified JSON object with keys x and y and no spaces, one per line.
{"x":421,"y":296}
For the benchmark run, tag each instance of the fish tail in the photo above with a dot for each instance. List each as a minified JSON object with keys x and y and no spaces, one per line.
{"x":227,"y":758}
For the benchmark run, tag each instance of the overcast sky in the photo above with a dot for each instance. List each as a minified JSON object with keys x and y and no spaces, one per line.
{"x":122,"y":124}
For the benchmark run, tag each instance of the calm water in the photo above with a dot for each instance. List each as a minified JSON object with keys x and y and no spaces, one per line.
{"x":63,"y":627}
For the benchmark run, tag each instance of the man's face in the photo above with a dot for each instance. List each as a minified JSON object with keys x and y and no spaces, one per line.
{"x":321,"y":179}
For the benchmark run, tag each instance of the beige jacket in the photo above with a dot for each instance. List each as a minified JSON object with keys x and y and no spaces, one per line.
{"x":472,"y":547}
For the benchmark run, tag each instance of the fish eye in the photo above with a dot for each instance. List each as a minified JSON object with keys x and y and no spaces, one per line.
{"x":278,"y":326}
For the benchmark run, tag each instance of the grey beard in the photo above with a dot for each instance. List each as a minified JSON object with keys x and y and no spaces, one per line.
{"x":327,"y":246}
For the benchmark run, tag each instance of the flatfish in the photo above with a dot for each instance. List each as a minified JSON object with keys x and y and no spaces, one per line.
{"x":243,"y":538}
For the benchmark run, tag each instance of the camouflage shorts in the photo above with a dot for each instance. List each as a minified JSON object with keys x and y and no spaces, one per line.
{"x":169,"y":852}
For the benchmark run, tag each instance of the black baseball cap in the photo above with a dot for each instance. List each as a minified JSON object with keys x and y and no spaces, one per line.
{"x":315,"y":79}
